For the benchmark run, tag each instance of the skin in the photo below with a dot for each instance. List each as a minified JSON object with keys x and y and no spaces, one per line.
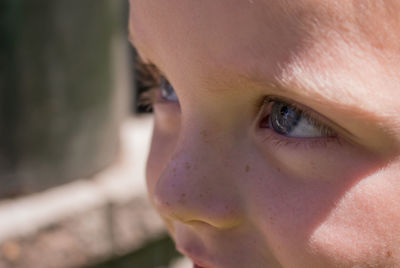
{"x":233,"y":194}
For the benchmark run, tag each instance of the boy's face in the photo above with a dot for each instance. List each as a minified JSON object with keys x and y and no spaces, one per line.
{"x":244,"y":182}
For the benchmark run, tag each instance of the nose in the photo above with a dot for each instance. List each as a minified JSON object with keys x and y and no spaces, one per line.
{"x":197,"y":186}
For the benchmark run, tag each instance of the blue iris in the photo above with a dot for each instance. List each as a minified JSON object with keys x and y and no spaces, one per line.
{"x":284,"y":117}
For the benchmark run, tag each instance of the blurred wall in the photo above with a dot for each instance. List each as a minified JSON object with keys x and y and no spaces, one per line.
{"x":60,"y":108}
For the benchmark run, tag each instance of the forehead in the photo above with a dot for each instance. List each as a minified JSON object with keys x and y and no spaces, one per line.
{"x":265,"y":17}
{"x":227,"y":31}
{"x":219,"y":28}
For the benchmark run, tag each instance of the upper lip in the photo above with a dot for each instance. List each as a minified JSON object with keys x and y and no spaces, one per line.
{"x":199,"y":266}
{"x":196,"y":257}
{"x":199,"y":262}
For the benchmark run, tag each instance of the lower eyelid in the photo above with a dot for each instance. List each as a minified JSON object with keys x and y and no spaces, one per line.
{"x":151,"y":97}
{"x":165,"y":105}
{"x":276,"y":140}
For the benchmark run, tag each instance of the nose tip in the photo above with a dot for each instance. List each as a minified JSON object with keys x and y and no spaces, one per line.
{"x":189,"y":194}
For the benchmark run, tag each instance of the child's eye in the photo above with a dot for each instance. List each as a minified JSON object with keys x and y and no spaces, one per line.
{"x":153,"y":86}
{"x":289,"y":120}
{"x":167,"y":91}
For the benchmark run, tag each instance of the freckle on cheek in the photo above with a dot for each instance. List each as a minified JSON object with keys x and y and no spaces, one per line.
{"x":247,"y":168}
{"x":182,"y":198}
{"x":204,"y":136}
{"x":187,"y":165}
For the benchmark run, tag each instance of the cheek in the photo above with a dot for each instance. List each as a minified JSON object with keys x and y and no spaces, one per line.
{"x":302,"y":186}
{"x":364,"y":227}
{"x":162,"y":147}
{"x":335,"y":223}
{"x":333,"y":161}
{"x":163,"y":143}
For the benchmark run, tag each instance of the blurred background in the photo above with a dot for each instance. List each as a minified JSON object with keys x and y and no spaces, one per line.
{"x":73,"y":144}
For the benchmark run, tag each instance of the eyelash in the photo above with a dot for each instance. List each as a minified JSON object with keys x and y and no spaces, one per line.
{"x":149,"y":78}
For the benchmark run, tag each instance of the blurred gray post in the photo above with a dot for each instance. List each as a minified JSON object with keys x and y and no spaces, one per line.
{"x":60,"y":108}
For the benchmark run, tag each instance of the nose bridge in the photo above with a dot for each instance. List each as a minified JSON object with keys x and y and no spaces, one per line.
{"x":196,"y":185}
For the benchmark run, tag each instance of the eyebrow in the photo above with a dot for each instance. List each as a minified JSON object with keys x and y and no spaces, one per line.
{"x":326,"y":87}
{"x":131,"y":38}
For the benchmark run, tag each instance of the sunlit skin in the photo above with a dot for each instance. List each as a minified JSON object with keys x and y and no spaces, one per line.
{"x":237,"y":195}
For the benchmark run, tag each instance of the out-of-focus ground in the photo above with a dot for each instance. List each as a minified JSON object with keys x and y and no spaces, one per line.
{"x":89,"y":220}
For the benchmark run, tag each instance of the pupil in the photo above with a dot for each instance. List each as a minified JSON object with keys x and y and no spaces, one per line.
{"x":284,"y":110}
